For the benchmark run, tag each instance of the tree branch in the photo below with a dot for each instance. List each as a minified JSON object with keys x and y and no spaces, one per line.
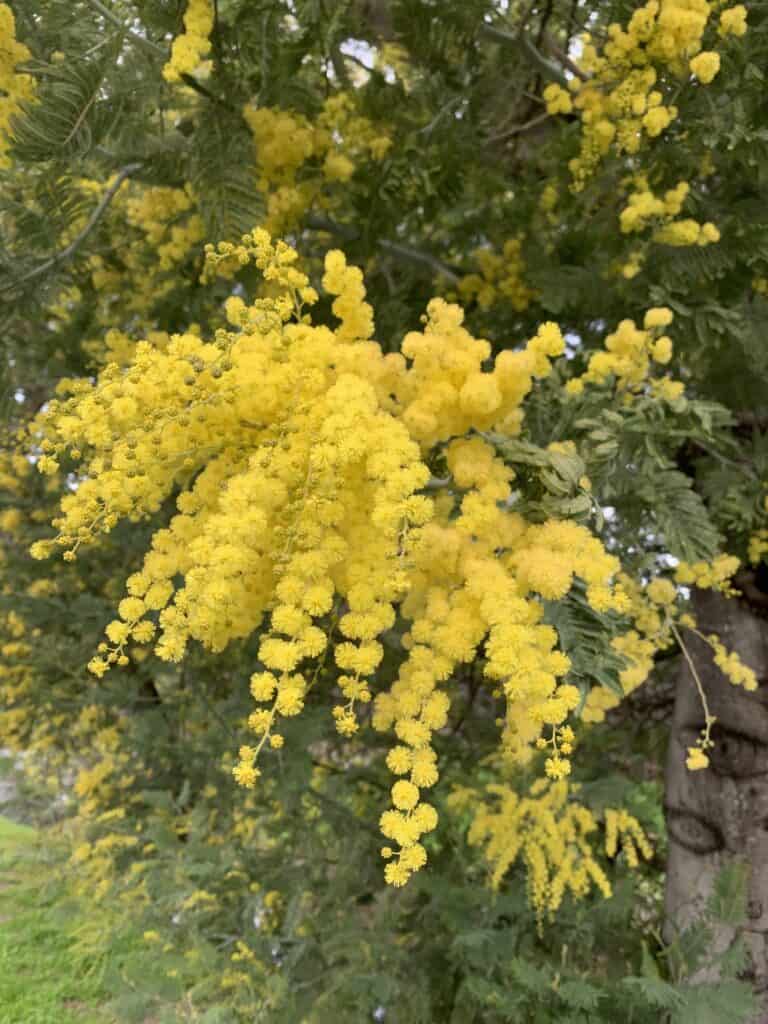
{"x":75,"y":244}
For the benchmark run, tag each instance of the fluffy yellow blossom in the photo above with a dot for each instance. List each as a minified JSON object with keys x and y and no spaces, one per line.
{"x":696,"y":759}
{"x":557,"y":99}
{"x":662,"y":591}
{"x":622,"y":828}
{"x":644,"y":209}
{"x":661,"y":350}
{"x":659,"y":316}
{"x":500,"y":278}
{"x":629,"y":355}
{"x":705,"y":66}
{"x":189,"y":49}
{"x":340,"y":139}
{"x":708,"y":575}
{"x":733,"y":21}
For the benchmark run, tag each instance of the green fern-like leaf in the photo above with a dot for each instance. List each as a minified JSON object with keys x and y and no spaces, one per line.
{"x":655,"y":992}
{"x":579,"y":995}
{"x":584,"y":637}
{"x":224,"y":179}
{"x":69,"y":115}
{"x":680,"y":515}
{"x":726,"y":1002}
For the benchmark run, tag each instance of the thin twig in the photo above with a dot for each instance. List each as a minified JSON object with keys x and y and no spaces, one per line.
{"x":417,"y":256}
{"x":564,"y":59}
{"x":428,"y":128}
{"x":75,"y":244}
{"x":547,"y":14}
{"x":517,"y":129}
{"x":353,"y":774}
{"x":204,"y":91}
{"x":708,"y":717}
{"x":141,"y":40}
{"x":523,"y":43}
{"x":342,"y":810}
{"x":317,"y":222}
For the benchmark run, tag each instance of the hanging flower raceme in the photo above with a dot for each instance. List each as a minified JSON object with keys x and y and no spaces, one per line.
{"x":553,"y":835}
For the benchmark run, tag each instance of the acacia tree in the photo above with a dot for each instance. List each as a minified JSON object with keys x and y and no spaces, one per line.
{"x":452,"y":555}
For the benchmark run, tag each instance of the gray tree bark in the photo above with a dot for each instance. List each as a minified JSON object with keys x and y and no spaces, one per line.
{"x":720,"y":814}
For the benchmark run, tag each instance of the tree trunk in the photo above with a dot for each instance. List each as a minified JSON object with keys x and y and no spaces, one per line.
{"x":718,"y":815}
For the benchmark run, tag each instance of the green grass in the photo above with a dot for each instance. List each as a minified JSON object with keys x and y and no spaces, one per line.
{"x":66,"y":963}
{"x":43,"y":979}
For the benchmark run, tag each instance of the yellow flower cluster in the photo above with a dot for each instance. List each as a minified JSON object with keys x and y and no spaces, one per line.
{"x":333,"y":146}
{"x":479,"y":576}
{"x":160,"y":230}
{"x":658,"y":622}
{"x":189,"y":49}
{"x":500,"y":278}
{"x":14,"y":469}
{"x":548,"y":201}
{"x":644,"y":209}
{"x":629,"y":355}
{"x":622,"y":828}
{"x":758,"y":541}
{"x":733,"y":21}
{"x":552,"y":835}
{"x":731,"y":665}
{"x":705,"y":66}
{"x":758,"y":546}
{"x":638,"y":645}
{"x":168,"y":219}
{"x":621,"y":101}
{"x":714,"y":575}
{"x":15,"y":87}
{"x":120,"y":348}
{"x":696,"y":759}
{"x":303,"y":511}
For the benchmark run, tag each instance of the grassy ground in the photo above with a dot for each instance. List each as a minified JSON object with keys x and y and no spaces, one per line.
{"x":43,"y":979}
{"x":61,"y":965}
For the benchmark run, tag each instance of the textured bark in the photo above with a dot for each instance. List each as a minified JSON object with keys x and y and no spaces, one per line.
{"x":720,"y":814}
